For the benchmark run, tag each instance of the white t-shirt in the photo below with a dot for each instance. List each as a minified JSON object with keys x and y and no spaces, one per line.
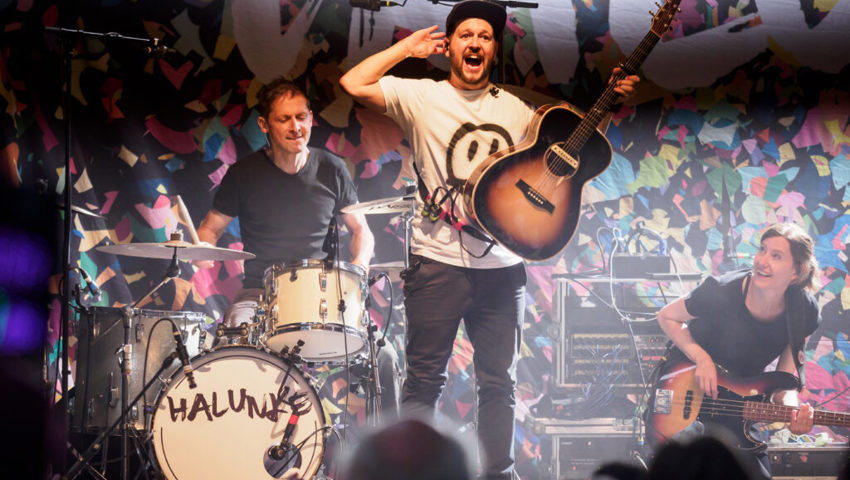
{"x":451,"y":131}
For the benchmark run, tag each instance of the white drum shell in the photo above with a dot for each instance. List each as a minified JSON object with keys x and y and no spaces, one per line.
{"x":302,"y":302}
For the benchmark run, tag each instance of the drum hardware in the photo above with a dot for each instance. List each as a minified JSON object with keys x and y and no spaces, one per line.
{"x":83,"y":460}
{"x":233,"y":335}
{"x":284,"y":455}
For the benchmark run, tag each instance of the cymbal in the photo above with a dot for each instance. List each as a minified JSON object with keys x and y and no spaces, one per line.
{"x":185,"y":251}
{"x":393,"y":269}
{"x":382,"y":205}
{"x":388,"y":266}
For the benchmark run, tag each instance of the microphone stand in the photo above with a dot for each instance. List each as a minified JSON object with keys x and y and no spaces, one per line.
{"x":172,"y":272}
{"x":373,"y":394}
{"x":65,"y":319}
{"x":95,"y":447}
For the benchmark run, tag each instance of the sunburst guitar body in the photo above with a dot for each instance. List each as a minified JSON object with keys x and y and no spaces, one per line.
{"x":528,"y":196}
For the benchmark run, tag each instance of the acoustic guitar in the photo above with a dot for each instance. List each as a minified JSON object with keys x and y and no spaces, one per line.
{"x":678,"y":408}
{"x":528,"y":196}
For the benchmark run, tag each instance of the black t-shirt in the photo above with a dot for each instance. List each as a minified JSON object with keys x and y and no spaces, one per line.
{"x":283,"y":217}
{"x":736,"y":340}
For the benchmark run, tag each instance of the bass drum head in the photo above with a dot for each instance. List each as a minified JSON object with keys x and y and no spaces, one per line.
{"x":226,"y":426}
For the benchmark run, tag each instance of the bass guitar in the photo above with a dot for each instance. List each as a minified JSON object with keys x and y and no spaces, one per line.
{"x":528,"y":196}
{"x":678,"y":408}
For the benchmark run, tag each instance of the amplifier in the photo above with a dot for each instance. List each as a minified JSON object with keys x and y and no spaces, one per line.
{"x":578,"y":447}
{"x":595,"y":346}
{"x":795,"y":462}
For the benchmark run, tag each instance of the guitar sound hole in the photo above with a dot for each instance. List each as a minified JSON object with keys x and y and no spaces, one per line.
{"x":559,"y":162}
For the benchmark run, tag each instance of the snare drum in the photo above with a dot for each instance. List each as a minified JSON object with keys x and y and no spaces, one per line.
{"x":240,"y":410}
{"x":303,"y":303}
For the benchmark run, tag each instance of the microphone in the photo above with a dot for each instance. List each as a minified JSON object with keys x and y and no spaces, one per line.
{"x":494,"y":90}
{"x":184,"y":356}
{"x":156,"y":49}
{"x":331,"y":240}
{"x":94,"y":290}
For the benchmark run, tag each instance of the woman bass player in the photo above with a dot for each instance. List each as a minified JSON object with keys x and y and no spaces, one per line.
{"x":738,"y":323}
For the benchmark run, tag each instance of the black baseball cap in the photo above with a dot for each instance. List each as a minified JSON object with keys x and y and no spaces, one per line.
{"x":491,"y":12}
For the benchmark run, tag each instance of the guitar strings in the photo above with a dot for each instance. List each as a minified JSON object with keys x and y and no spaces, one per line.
{"x":730,"y":407}
{"x":586,"y":127}
{"x":576,"y":140}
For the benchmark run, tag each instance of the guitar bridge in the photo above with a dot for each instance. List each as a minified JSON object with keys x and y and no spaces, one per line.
{"x":663,"y":404}
{"x":535,"y":197}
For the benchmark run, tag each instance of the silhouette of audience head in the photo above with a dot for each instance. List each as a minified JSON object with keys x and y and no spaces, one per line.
{"x":410,"y":450}
{"x":619,"y":471}
{"x":706,"y":458}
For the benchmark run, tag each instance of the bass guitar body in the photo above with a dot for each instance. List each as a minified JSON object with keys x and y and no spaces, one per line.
{"x":528,"y":197}
{"x":679,"y":410}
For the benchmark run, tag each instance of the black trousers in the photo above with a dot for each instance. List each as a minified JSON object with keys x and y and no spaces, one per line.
{"x":491,"y":303}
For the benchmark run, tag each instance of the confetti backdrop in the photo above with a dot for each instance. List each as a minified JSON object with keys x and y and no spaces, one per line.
{"x":743,"y":97}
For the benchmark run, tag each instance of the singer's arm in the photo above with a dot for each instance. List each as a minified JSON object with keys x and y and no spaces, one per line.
{"x":362,"y":244}
{"x":210,"y":230}
{"x":361,"y":82}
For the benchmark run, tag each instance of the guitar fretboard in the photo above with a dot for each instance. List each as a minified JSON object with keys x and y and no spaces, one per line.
{"x":768,"y":412}
{"x":631,"y":65}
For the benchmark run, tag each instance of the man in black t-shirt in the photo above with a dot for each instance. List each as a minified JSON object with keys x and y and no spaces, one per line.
{"x":286,"y":197}
{"x":286,"y":194}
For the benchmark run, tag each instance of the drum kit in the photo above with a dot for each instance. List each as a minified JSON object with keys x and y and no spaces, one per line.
{"x":241,"y":406}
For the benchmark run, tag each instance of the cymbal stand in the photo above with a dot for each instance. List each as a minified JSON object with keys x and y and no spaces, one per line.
{"x":373,"y":381}
{"x":172,"y":272}
{"x":96,"y":446}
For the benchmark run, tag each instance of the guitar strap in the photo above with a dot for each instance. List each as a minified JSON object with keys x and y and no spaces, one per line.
{"x":433,"y":210}
{"x":794,"y":309}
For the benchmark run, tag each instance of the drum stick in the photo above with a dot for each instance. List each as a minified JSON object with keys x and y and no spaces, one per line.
{"x":181,"y":208}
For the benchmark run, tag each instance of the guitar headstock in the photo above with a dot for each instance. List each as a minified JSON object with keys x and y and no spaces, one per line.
{"x":663,"y":18}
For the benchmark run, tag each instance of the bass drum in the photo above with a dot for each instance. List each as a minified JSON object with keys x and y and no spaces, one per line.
{"x":228,"y":426}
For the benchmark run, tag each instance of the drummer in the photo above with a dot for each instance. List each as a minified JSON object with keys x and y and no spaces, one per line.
{"x":285,"y":196}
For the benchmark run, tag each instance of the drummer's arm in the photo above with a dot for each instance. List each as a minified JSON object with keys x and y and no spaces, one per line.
{"x":362,"y":244}
{"x":211,"y":229}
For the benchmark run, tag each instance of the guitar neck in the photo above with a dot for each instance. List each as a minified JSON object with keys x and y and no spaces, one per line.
{"x":603,"y":105}
{"x":631,"y":65}
{"x":769,"y":412}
